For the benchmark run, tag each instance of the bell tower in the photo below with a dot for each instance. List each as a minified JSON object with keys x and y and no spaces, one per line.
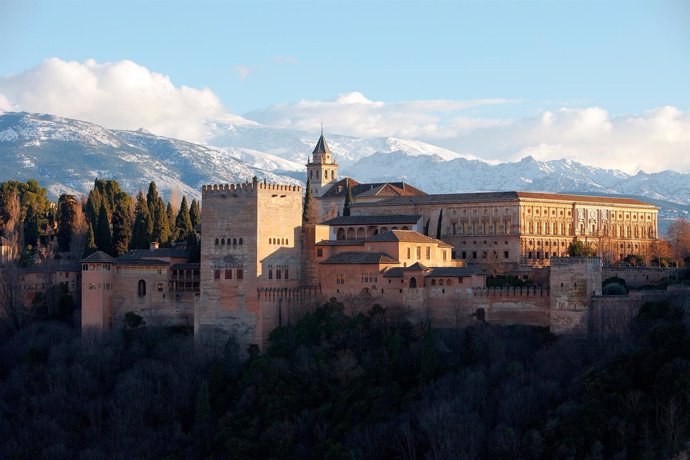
{"x":322,"y":169}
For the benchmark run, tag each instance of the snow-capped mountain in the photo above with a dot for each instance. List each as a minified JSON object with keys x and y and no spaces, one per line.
{"x":66,"y":155}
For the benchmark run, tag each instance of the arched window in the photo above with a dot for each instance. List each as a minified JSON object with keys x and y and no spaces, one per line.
{"x":341,"y":234}
{"x":141,"y":288}
{"x":222,"y":241}
{"x":234,"y":241}
{"x":270,"y":274}
{"x":217,"y":241}
{"x":433,"y":282}
{"x":413,"y":283}
{"x":440,"y":282}
{"x":240,"y":240}
{"x":278,"y":273}
{"x":333,"y":174}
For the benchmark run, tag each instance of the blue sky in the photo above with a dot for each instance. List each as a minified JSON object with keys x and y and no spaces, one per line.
{"x":626,"y":56}
{"x":263,"y":59}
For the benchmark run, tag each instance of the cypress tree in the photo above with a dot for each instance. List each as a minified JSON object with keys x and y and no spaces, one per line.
{"x":143,"y":224}
{"x":104,"y":238}
{"x":348,"y":199}
{"x":161,"y":228}
{"x":122,"y":224}
{"x":183,"y":223}
{"x":438,"y":227}
{"x":195,"y":213}
{"x":170,"y":214}
{"x":30,"y":227}
{"x":90,"y":244}
{"x":67,"y":213}
{"x":152,"y":197}
{"x":308,"y":211}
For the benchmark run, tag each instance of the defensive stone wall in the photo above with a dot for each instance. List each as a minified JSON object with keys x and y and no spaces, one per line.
{"x":636,"y":277}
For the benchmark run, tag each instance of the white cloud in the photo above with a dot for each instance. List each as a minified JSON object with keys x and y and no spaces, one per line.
{"x":121,"y":95}
{"x":651,"y":141}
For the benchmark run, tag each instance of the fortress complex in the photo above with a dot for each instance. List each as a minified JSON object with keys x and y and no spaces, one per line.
{"x":422,"y":256}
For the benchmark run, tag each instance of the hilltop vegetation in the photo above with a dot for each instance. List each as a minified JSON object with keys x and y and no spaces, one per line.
{"x":334,"y":386}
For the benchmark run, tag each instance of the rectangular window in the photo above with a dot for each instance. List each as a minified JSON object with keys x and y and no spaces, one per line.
{"x":408,"y":253}
{"x":474,"y":254}
{"x":287,"y":276}
{"x":428,"y":252}
{"x":240,"y":274}
{"x":506,"y":255}
{"x":228,"y":274}
{"x":278,"y":274}
{"x":319,"y":253}
{"x":464,"y":254}
{"x":160,"y":287}
{"x":216,"y":274}
{"x":444,"y":254}
{"x":419,"y":252}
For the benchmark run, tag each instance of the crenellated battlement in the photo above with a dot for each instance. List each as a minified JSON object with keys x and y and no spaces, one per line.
{"x":248,"y":188}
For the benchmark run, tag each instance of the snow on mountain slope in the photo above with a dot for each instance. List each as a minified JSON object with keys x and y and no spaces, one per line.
{"x":66,"y":155}
{"x":434,"y":175}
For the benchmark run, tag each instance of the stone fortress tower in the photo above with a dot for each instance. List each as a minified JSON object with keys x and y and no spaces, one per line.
{"x":251,"y":242}
{"x":322,"y":170}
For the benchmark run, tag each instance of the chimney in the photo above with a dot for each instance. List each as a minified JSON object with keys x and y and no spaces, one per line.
{"x":154,"y":245}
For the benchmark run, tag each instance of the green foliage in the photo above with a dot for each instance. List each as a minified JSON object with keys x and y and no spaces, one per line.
{"x":309,"y":207}
{"x":506,"y":281}
{"x":183,"y":222}
{"x":348,"y":199}
{"x":67,"y":220}
{"x":143,"y":224}
{"x":635,"y":260}
{"x":614,"y":289}
{"x":578,"y":248}
{"x":194,"y":213}
{"x":122,"y":223}
{"x":30,"y":194}
{"x":31,"y":231}
{"x":133,"y":320}
{"x":90,"y":244}
{"x":104,"y":237}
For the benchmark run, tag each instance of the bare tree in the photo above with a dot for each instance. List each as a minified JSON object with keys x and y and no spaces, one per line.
{"x":79,"y":234}
{"x":679,"y":239}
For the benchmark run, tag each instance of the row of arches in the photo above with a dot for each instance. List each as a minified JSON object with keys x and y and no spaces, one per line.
{"x":281,"y":241}
{"x":359,"y":233}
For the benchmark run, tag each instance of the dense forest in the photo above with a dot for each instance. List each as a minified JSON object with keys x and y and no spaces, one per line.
{"x":365,"y":387}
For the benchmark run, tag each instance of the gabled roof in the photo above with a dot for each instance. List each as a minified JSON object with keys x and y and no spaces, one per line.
{"x":360,"y":257}
{"x":415,"y":267}
{"x":382,"y":189}
{"x":373,"y":220}
{"x":99,"y":257}
{"x":405,"y":236}
{"x":321,"y":146}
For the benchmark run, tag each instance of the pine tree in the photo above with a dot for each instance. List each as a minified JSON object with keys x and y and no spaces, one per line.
{"x":348,"y":199}
{"x":183,"y":223}
{"x":90,"y":243}
{"x":309,"y":209}
{"x":195,"y":213}
{"x":104,"y":238}
{"x":143,"y":224}
{"x":122,"y":224}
